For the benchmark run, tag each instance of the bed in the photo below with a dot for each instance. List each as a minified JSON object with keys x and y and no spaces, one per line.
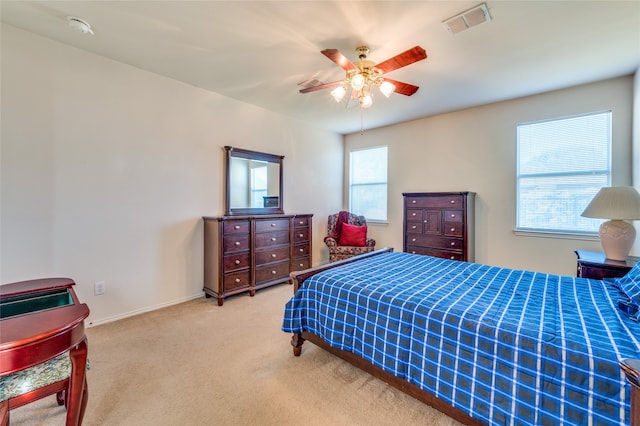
{"x":482,"y":344}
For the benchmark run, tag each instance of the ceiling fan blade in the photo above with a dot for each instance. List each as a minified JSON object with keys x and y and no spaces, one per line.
{"x":321,"y":86}
{"x":403,"y":88}
{"x":412,"y":55}
{"x":339,"y":58}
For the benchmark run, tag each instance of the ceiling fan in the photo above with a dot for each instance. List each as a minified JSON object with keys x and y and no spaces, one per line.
{"x":365,"y":74}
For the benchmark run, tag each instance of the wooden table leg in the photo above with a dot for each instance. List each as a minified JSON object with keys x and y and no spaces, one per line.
{"x":76,"y":396}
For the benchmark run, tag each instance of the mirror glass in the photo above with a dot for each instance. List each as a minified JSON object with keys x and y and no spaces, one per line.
{"x":254,"y":182}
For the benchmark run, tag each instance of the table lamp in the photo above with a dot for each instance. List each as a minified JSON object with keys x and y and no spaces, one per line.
{"x":619,"y":204}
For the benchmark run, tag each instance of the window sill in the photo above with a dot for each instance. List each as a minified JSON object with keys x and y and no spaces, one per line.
{"x":556,"y":234}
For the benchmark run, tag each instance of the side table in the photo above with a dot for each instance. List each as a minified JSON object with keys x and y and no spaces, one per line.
{"x":595,"y":265}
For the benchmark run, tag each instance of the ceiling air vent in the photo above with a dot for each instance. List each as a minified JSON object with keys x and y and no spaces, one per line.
{"x":467,"y":19}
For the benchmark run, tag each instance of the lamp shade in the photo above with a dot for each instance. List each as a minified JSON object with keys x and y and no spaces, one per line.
{"x":615,"y":202}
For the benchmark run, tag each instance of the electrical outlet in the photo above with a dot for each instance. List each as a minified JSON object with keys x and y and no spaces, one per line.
{"x":99,"y":288}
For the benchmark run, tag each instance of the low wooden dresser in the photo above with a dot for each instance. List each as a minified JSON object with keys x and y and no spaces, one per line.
{"x":439,"y":224}
{"x":247,"y":253}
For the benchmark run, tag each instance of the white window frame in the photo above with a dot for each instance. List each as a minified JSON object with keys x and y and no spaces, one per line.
{"x":589,"y":232}
{"x":383,"y":207}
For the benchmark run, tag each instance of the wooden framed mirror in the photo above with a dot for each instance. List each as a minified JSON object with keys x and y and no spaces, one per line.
{"x":253,"y":182}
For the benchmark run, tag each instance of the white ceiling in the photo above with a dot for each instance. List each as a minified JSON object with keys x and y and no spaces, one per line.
{"x":259,"y":51}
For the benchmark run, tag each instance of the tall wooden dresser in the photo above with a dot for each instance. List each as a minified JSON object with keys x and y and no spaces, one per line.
{"x":246,"y":253}
{"x":439,"y":224}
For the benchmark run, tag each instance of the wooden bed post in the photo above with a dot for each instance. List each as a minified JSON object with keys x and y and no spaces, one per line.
{"x":296,"y":342}
{"x":631,"y":369}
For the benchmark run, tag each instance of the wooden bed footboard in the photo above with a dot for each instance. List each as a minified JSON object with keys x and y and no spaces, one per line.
{"x":630,"y":367}
{"x":398,"y":383}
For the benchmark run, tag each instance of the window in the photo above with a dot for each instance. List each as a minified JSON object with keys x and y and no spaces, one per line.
{"x":258,"y":183}
{"x":368,"y":183}
{"x":562,"y":163}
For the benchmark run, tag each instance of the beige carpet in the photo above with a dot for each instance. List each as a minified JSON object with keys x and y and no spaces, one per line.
{"x":200,"y":364}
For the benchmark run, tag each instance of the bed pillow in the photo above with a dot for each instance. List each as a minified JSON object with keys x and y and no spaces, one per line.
{"x":353,"y":235}
{"x":630,"y":284}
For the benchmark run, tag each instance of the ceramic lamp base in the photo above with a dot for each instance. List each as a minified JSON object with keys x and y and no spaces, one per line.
{"x":617,"y":238}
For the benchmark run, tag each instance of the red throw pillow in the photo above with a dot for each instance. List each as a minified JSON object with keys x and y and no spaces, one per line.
{"x":353,"y":235}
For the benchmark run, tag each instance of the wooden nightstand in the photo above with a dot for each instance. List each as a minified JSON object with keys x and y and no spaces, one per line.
{"x":593,"y":264}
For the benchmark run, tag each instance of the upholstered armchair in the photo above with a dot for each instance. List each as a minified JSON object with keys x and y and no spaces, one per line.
{"x":348,"y":240}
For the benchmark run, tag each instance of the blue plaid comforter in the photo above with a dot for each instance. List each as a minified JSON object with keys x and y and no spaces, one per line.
{"x":505,"y":346}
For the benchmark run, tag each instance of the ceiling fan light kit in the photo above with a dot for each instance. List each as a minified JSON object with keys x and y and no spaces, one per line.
{"x":365,"y":74}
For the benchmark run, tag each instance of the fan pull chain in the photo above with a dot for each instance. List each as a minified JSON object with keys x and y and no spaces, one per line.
{"x":361,"y":121}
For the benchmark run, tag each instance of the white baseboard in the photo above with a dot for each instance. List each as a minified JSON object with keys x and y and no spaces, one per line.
{"x":141,"y":311}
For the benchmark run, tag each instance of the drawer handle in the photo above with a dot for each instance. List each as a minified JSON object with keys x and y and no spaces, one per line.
{"x":273,"y":225}
{"x":413,"y":240}
{"x":237,"y":243}
{"x":273,"y":272}
{"x":413,"y":214}
{"x":453,"y":201}
{"x":453,"y":244}
{"x":413,"y":252}
{"x":453,"y":229}
{"x":301,"y":250}
{"x":236,"y":227}
{"x":301,"y":222}
{"x":413,"y":201}
{"x":237,"y":262}
{"x":452,"y":258}
{"x":413,"y":227}
{"x":453,"y":215}
{"x":302,"y":265}
{"x":274,"y":255}
{"x":426,"y":221}
{"x":237,"y":280}
{"x":300,"y":235}
{"x":273,"y":238}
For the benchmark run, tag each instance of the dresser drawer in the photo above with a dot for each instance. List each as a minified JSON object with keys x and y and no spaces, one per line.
{"x":270,"y":239}
{"x":435,"y":242}
{"x":429,"y":251}
{"x":235,"y":243}
{"x":414,"y":227}
{"x":439,"y":201}
{"x":272,"y":255}
{"x":453,"y":216}
{"x":301,"y":222}
{"x":272,"y":272}
{"x":452,"y":229}
{"x":236,"y":280}
{"x":300,"y":250}
{"x":268,"y":225}
{"x":301,"y":263}
{"x":233,"y":262}
{"x":414,"y":214}
{"x":235,"y":227}
{"x":300,"y":235}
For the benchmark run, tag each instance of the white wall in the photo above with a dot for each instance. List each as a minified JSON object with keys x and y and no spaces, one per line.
{"x":107,"y":170}
{"x":475,"y":150}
